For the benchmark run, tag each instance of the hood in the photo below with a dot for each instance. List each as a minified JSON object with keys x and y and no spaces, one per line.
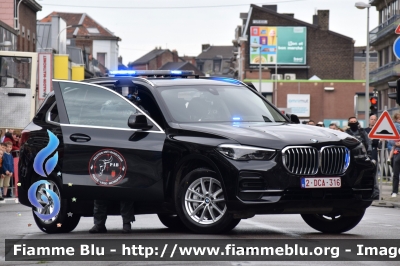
{"x":271,"y":135}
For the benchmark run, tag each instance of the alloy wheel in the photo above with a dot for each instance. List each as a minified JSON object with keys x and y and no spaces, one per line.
{"x":204,"y":201}
{"x":47,"y":207}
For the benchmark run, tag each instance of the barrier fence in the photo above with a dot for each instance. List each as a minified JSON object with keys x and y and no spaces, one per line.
{"x":386,"y":172}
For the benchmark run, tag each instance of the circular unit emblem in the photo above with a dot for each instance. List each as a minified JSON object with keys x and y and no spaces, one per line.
{"x":314,"y":140}
{"x":107,"y":167}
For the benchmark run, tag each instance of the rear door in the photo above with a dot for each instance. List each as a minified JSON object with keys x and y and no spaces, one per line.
{"x":104,"y":158}
{"x":17,"y":88}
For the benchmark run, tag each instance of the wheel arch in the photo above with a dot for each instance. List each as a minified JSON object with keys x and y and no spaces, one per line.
{"x":188,"y":164}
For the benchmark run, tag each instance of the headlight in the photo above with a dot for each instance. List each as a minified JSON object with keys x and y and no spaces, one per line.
{"x":244,"y":153}
{"x":359,"y":151}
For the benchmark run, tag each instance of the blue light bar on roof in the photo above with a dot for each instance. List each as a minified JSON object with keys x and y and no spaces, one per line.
{"x":176,"y":72}
{"x":122,"y":72}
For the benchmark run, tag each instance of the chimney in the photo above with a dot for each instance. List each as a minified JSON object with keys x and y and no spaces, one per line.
{"x":315,"y":20}
{"x":271,"y":7}
{"x":120,"y":60}
{"x":204,"y":47}
{"x":323,"y":19}
{"x":175,"y":57}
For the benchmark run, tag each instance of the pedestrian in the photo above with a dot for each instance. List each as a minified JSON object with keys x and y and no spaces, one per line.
{"x":359,"y":133}
{"x":100,"y":216}
{"x":311,"y":123}
{"x":8,"y":136}
{"x":394,"y":156}
{"x":320,"y":124}
{"x":7,"y":169}
{"x":333,"y":126}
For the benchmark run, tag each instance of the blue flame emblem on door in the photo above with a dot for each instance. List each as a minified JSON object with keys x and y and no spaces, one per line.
{"x":44,"y":153}
{"x":49,"y":200}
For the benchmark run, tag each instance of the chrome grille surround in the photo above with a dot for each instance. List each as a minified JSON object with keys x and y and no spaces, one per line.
{"x":301,"y":160}
{"x":334,"y":160}
{"x":306,"y":160}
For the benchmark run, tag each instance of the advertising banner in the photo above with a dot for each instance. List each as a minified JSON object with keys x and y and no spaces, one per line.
{"x":299,"y":104}
{"x":285,"y":44}
{"x":45,"y":74}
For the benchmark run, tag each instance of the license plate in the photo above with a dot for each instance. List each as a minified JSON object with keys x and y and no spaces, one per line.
{"x":320,"y":182}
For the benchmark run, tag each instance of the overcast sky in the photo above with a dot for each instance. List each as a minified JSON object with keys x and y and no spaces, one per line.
{"x":186,"y":24}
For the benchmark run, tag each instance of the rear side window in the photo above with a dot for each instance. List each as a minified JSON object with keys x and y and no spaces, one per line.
{"x":89,"y":105}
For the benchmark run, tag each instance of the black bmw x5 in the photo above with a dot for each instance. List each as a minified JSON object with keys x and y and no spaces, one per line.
{"x":202,"y":153}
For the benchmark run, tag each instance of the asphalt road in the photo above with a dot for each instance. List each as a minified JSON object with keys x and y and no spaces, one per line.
{"x":378,"y":223}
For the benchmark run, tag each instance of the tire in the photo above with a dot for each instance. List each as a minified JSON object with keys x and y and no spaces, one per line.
{"x":231,"y":226}
{"x":332,"y":223}
{"x":201,"y":211}
{"x":172,"y":221}
{"x":50,"y":226}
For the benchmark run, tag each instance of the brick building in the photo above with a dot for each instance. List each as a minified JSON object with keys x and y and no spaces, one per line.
{"x":329,"y":55}
{"x":155,"y":59}
{"x":382,"y":39}
{"x":91,"y":37}
{"x":330,"y":100}
{"x":19,"y":24}
{"x":216,"y":60}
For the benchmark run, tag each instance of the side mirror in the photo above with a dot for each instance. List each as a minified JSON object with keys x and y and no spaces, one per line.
{"x":138,"y":121}
{"x":294,"y":118}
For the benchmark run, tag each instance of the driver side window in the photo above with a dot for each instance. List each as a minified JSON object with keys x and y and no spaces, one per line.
{"x":94,"y":106}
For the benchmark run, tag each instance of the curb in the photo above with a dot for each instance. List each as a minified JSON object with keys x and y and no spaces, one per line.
{"x":10,"y":201}
{"x":387,"y":204}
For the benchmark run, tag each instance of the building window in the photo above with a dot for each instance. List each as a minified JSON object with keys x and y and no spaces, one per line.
{"x":23,"y":31}
{"x":386,"y":61}
{"x":101,"y":57}
{"x":217,"y":65}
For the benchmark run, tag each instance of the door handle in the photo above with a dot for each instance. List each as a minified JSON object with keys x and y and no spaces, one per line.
{"x":80,"y":138}
{"x":16,"y":94}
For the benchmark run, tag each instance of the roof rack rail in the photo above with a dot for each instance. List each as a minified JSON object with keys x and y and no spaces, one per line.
{"x":153,"y":73}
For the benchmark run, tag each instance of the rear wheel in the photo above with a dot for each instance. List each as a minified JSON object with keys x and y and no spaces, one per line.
{"x":334,"y":223}
{"x":200,"y":203}
{"x":63,"y":222}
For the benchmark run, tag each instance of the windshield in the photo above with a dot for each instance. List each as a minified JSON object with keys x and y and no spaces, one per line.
{"x":218,"y":104}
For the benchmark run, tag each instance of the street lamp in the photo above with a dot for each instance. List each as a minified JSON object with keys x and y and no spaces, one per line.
{"x":256,"y":45}
{"x":362,"y":5}
{"x":58,"y":36}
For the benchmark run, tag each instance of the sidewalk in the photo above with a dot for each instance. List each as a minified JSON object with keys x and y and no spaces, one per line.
{"x":386,"y":198}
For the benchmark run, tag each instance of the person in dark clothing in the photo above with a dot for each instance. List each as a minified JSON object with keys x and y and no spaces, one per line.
{"x":100,"y":216}
{"x":359,"y":133}
{"x":374,"y":142}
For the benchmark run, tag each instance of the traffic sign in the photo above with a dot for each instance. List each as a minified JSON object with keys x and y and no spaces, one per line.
{"x":397,"y":31}
{"x":396,"y":47}
{"x":384,"y":128}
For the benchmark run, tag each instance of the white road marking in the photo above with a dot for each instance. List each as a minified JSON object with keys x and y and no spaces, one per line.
{"x":272,"y":228}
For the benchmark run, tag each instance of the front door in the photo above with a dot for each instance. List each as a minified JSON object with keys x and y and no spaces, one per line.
{"x":103,"y":158}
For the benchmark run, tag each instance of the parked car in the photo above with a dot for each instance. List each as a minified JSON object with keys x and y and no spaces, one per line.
{"x":202,"y":153}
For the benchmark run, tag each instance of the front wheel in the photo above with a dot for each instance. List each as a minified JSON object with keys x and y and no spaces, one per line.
{"x":200,"y":203}
{"x":334,"y":223}
{"x":172,"y":221}
{"x":63,"y":222}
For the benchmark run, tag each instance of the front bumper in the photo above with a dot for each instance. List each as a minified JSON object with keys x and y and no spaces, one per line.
{"x":262,"y":187}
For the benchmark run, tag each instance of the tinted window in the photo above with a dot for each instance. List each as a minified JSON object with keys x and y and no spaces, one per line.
{"x":218,"y":104}
{"x":95,"y":106}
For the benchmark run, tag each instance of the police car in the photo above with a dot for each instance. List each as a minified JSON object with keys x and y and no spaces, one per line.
{"x":202,"y":153}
